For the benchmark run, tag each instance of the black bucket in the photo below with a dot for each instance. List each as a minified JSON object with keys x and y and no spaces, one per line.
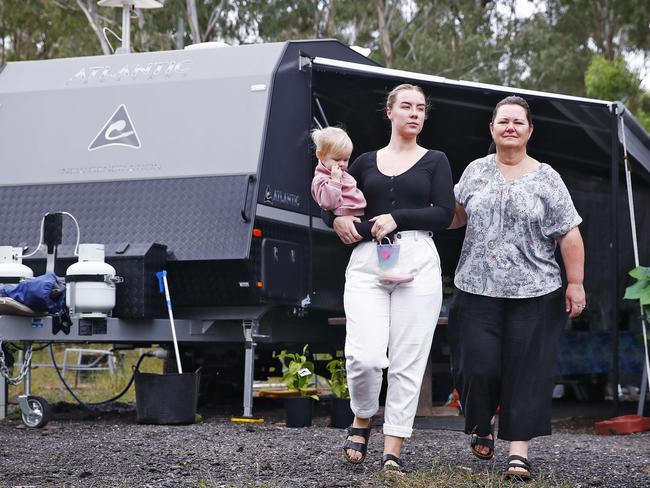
{"x":166,"y":398}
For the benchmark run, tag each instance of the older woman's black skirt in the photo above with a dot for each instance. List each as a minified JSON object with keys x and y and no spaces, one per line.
{"x":504,"y":354}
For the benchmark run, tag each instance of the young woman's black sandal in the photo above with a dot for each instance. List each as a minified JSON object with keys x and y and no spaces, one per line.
{"x":398,"y":467}
{"x":521,"y":463}
{"x":356,"y":446}
{"x":475,"y":440}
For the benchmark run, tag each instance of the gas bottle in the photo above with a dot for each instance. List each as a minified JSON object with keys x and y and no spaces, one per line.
{"x":90,"y":283}
{"x":12,"y":269}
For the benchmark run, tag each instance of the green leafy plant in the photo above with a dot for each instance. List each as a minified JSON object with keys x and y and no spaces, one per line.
{"x":338,"y":378}
{"x":299,"y":373}
{"x":641,"y":289}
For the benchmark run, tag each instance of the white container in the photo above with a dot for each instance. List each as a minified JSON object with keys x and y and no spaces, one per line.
{"x":11,"y":268}
{"x":90,"y":283}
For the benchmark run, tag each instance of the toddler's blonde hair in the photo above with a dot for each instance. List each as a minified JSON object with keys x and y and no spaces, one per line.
{"x":331,"y":140}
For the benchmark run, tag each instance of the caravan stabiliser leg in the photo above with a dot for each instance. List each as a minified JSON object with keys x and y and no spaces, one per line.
{"x":251,"y":332}
{"x":249,"y":366}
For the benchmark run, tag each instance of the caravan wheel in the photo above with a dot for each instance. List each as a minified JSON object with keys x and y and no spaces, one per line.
{"x":40,"y":413}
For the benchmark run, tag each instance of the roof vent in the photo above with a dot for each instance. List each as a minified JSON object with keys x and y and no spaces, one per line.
{"x":207,"y":45}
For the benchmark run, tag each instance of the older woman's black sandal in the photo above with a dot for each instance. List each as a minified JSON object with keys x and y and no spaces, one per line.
{"x":520,"y":463}
{"x":356,"y":446}
{"x":475,"y":440}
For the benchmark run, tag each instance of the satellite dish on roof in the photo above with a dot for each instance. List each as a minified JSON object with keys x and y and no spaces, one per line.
{"x":126,"y":6}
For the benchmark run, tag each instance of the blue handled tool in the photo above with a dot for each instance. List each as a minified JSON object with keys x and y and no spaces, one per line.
{"x":164,"y":288}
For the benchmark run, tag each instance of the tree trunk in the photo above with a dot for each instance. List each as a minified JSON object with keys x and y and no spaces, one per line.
{"x":180,"y":33}
{"x":92,"y":17}
{"x":143,"y":33}
{"x":214,"y":19}
{"x":193,"y":19}
{"x":383,"y":26}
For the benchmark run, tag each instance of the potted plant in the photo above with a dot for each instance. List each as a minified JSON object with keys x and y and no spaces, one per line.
{"x":341,"y":415}
{"x":298,"y":376}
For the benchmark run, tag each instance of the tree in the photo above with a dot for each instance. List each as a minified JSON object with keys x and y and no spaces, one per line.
{"x":43,"y":29}
{"x":476,"y":40}
{"x":613,"y":80}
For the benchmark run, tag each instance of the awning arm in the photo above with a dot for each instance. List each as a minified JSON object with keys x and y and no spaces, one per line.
{"x":635,"y":246}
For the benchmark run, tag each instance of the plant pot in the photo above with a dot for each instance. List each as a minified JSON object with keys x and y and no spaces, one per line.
{"x":341,"y":415}
{"x":299,"y":411}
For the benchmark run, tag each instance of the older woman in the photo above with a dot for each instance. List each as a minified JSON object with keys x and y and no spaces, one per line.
{"x":509,"y":309}
{"x":409,"y":191}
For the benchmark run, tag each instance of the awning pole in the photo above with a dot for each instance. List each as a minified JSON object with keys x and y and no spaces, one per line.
{"x":614,"y":255}
{"x":635,"y":246}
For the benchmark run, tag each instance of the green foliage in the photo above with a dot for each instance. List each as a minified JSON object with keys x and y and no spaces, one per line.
{"x":641,"y":289}
{"x":484,"y":41}
{"x":299,"y":373}
{"x":94,"y":387}
{"x":44,"y":29}
{"x":611,"y":80}
{"x":640,"y":106}
{"x":338,"y":378}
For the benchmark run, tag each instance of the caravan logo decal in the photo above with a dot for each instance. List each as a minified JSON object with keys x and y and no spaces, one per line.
{"x":281,"y":197}
{"x":118,"y":131}
{"x":138,"y":72}
{"x":268,"y":196}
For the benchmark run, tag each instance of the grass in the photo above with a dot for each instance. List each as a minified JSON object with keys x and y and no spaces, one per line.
{"x":98,"y":386}
{"x":439,"y":476}
{"x":449,"y":476}
{"x":91,"y":386}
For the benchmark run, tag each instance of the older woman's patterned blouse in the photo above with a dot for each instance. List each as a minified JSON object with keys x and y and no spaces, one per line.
{"x":509,"y":248}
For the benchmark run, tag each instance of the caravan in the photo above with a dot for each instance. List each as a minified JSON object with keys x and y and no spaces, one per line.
{"x":199,"y":162}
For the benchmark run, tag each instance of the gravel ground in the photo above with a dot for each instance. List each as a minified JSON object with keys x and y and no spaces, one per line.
{"x":110,"y":449}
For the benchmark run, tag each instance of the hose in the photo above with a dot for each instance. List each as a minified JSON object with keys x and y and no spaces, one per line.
{"x":87,"y":405}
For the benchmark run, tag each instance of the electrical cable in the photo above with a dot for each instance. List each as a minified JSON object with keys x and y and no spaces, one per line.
{"x":16,"y":347}
{"x":106,"y":29}
{"x":76,"y":247}
{"x":40,"y":239}
{"x":87,"y":405}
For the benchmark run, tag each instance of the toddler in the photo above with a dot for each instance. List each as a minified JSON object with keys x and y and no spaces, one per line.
{"x":332,"y":187}
{"x":336,"y":190}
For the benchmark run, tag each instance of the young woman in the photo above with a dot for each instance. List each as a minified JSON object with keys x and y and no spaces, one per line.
{"x":409,"y":194}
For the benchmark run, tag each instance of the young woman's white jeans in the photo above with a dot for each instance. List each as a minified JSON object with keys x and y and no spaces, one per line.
{"x":400,"y":319}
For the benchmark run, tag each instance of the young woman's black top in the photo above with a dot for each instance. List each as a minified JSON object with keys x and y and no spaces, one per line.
{"x":421,"y":198}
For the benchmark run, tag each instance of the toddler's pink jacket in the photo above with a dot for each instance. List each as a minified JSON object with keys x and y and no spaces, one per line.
{"x":342,"y":198}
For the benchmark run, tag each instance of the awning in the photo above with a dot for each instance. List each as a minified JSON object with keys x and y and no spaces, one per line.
{"x":585,"y":112}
